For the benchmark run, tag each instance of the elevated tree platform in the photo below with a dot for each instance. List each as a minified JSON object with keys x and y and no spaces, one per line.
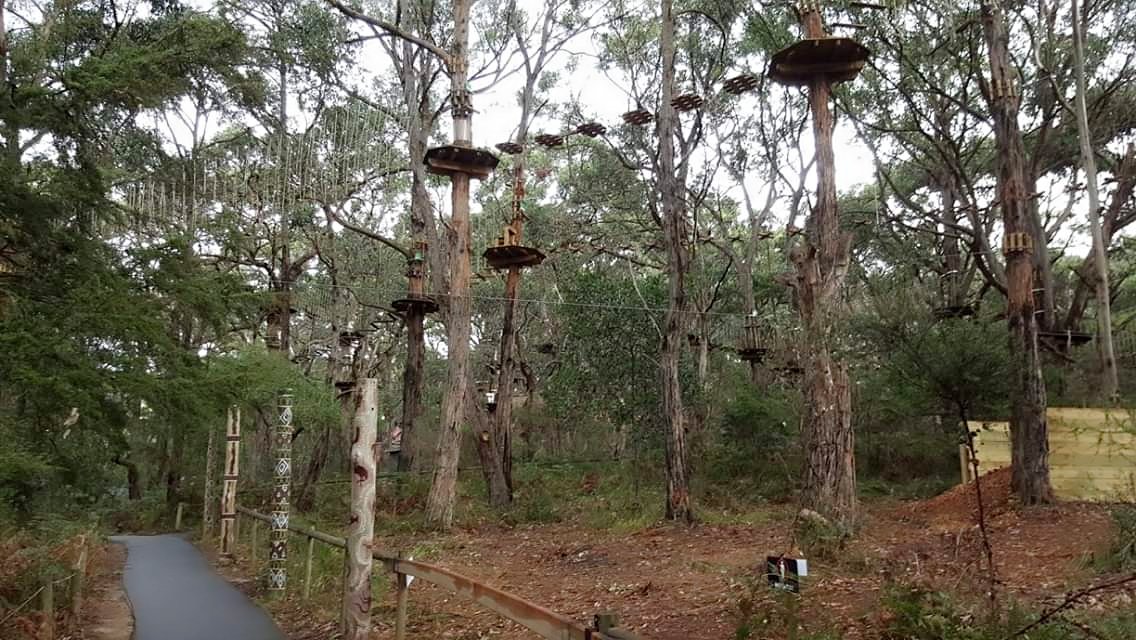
{"x":450,"y":159}
{"x":959,"y":311}
{"x":510,"y":255}
{"x":811,"y":59}
{"x":424,"y":303}
{"x":754,"y":354}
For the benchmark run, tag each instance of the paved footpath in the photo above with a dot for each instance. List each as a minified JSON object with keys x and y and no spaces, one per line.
{"x":176,"y":595}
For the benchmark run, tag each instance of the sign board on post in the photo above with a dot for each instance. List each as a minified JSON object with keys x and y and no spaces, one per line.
{"x":785,"y":573}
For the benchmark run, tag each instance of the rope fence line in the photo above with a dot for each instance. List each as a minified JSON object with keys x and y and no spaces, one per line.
{"x":13,"y":612}
{"x":46,"y":592}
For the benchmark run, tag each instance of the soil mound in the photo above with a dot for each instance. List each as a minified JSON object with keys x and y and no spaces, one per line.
{"x":959,"y":506}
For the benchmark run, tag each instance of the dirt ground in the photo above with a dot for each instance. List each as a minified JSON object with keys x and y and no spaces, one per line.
{"x":106,"y":615}
{"x":669,"y":582}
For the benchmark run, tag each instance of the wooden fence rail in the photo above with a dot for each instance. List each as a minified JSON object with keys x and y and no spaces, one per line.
{"x":544,"y":622}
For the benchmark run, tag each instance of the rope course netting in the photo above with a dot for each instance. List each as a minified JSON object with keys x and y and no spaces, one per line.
{"x":348,"y":157}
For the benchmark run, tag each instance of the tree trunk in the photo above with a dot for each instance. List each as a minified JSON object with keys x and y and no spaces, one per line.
{"x":173,"y":470}
{"x":953,"y":293}
{"x":440,"y":503}
{"x":488,"y":455}
{"x":1110,"y":381}
{"x":829,"y":475}
{"x":412,"y":377}
{"x":208,"y":506}
{"x":1125,"y":176}
{"x":356,"y":620}
{"x":133,"y":478}
{"x":1045,"y":304}
{"x":305,"y":497}
{"x":443,"y":488}
{"x":416,"y":97}
{"x":1028,"y":428}
{"x":502,"y":417}
{"x":678,"y":506}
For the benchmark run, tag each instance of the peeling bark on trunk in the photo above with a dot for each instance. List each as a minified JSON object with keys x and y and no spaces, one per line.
{"x":829,"y":475}
{"x":443,"y":488}
{"x":679,"y":505}
{"x":356,"y":621}
{"x":1028,"y":428}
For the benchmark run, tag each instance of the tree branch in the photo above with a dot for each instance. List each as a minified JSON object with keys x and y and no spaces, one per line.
{"x":394,"y":31}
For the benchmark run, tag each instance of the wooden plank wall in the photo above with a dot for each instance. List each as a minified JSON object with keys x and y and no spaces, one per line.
{"x":1092,"y":452}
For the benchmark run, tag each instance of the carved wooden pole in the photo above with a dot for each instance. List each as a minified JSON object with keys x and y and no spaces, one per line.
{"x":229,"y":490}
{"x":208,"y":508}
{"x":356,"y":622}
{"x":278,"y":548}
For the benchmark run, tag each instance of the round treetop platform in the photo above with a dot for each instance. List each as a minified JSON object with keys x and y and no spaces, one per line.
{"x":424,"y":303}
{"x":451,"y":159}
{"x":511,"y":255}
{"x":812,"y":59}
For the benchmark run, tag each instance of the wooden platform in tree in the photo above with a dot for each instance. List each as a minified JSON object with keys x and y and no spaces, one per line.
{"x":832,"y":59}
{"x":959,"y":311}
{"x":424,"y":303}
{"x":752,"y":354}
{"x":450,"y":159}
{"x":1074,"y":338}
{"x":509,"y":256}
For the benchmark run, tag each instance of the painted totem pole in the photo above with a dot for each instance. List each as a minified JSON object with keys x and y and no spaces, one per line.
{"x":278,"y":549}
{"x":229,"y":490}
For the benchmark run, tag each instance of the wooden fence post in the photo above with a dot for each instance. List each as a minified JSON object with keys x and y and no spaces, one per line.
{"x":400,"y":614}
{"x":356,"y":621}
{"x":78,"y":579}
{"x":47,"y":606}
{"x":177,"y":516}
{"x":207,"y":507}
{"x":308,"y":569}
{"x":252,"y":542}
{"x":229,"y":491}
{"x":278,"y":546}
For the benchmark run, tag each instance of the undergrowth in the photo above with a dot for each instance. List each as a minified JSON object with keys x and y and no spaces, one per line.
{"x":913,"y":613}
{"x":1122,"y":555}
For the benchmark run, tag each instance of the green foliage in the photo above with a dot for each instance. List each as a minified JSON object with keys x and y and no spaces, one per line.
{"x":919,"y":614}
{"x":767,"y":613}
{"x":24,"y":477}
{"x":1122,"y":555}
{"x":818,"y":538}
{"x":753,"y":454}
{"x":609,"y":375}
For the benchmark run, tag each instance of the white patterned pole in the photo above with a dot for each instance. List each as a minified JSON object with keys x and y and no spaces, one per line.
{"x":229,"y":490}
{"x":278,"y":548}
{"x":356,"y":622}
